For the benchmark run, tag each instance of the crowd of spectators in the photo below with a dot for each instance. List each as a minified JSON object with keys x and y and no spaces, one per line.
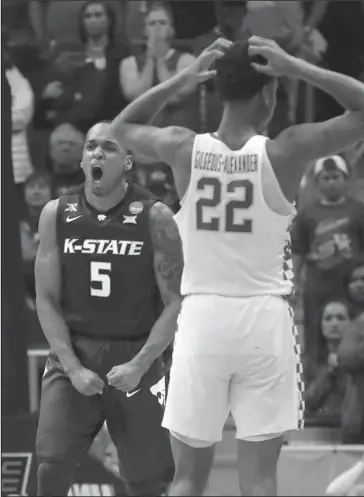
{"x":71,"y":64}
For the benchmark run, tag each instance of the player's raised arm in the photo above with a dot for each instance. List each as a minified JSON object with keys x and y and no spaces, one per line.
{"x":168,"y":266}
{"x":301,"y":144}
{"x":171,"y":145}
{"x":48,"y":289}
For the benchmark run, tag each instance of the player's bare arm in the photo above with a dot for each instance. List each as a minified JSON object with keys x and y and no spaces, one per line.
{"x":295,"y":147}
{"x":48,"y":291}
{"x":172,"y":145}
{"x":168,"y":266}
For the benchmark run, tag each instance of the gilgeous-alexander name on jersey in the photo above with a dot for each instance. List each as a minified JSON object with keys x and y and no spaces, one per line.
{"x":234,"y":244}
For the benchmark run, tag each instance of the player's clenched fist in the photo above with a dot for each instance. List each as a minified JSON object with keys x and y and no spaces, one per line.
{"x":86,"y":382}
{"x":125,"y":377}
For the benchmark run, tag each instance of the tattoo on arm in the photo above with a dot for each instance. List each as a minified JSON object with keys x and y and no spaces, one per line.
{"x":168,"y":257}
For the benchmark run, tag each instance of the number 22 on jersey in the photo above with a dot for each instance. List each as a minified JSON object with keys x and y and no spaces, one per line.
{"x":214,"y":224}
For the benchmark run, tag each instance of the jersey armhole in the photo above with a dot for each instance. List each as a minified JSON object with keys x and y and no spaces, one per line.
{"x":267,"y":169}
{"x":187,"y":193}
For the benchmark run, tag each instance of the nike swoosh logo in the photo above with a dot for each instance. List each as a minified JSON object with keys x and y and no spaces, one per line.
{"x":130,"y":394}
{"x":70,"y":219}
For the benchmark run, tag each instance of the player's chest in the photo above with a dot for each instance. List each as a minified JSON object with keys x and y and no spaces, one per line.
{"x":115,"y":237}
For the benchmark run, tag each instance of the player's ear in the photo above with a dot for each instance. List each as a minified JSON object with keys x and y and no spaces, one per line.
{"x":128,"y":162}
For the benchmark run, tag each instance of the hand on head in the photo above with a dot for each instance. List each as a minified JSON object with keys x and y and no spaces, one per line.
{"x":202,"y":66}
{"x":269,"y":57}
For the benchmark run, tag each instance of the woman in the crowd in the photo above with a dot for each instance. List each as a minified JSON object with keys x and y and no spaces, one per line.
{"x":351,"y":361}
{"x":159,"y":62}
{"x":68,"y":96}
{"x":326,"y":384}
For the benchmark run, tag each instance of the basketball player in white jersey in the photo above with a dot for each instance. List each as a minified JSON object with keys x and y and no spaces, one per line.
{"x":235,"y":348}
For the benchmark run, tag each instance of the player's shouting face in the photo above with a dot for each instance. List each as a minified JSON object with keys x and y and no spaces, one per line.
{"x":104,"y":162}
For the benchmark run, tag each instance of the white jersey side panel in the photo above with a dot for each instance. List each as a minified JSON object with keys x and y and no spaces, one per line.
{"x":233,"y":243}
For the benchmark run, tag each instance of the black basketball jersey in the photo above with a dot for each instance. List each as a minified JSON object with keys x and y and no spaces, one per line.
{"x":108,"y":284}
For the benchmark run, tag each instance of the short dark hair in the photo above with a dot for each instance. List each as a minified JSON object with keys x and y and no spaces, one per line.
{"x":236,"y":78}
{"x":104,"y":121}
{"x":109,"y":122}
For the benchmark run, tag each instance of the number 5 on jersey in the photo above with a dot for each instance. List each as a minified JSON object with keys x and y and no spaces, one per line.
{"x":231,"y":207}
{"x":100,"y":284}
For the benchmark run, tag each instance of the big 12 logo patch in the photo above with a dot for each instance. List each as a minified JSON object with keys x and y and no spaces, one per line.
{"x":15,"y":470}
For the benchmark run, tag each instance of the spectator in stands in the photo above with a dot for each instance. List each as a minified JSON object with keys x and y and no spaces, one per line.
{"x":326,"y":385}
{"x":68,"y":96}
{"x":350,"y":359}
{"x":159,"y":62}
{"x":327,"y":236}
{"x":356,"y":287}
{"x":21,"y":114}
{"x":37,"y":192}
{"x":66,"y":145}
{"x":97,"y":32}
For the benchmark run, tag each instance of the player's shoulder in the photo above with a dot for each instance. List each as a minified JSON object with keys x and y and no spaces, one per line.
{"x":73,"y":193}
{"x":182,"y":138}
{"x":160,"y":211}
{"x":48,"y":220}
{"x":162,"y":226}
{"x":49,"y":211}
{"x":281,"y":147}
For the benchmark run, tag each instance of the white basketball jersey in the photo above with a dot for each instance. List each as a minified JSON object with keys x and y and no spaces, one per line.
{"x":233,"y":243}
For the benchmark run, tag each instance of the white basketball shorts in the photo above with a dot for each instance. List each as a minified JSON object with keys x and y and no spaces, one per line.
{"x":238,"y":355}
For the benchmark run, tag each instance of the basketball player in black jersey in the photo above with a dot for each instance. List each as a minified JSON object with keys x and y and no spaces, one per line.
{"x":106,"y":256}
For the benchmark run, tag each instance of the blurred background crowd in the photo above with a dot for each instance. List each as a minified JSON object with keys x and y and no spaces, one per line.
{"x":71,"y":64}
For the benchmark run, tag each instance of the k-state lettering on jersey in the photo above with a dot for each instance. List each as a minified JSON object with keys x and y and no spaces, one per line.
{"x":233,"y":243}
{"x":108,"y":283}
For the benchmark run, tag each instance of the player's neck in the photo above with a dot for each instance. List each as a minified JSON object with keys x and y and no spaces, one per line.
{"x":234,"y":130}
{"x":104,"y":204}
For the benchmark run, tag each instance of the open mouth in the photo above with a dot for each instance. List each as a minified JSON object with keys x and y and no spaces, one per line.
{"x":96,"y":172}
